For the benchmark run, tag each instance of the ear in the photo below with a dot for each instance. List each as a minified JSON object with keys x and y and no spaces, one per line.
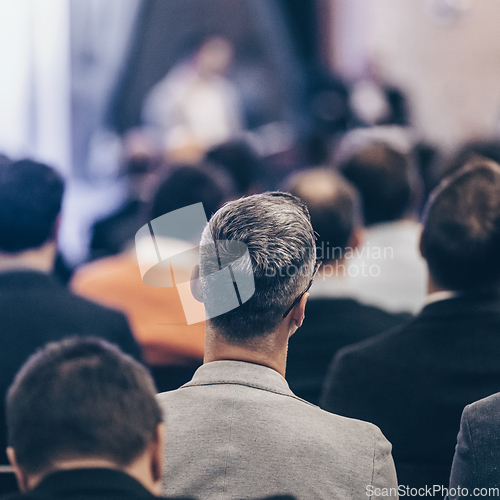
{"x":357,"y":237}
{"x":298,"y":313}
{"x":158,"y":455}
{"x":21,"y":476}
{"x":195,"y":283}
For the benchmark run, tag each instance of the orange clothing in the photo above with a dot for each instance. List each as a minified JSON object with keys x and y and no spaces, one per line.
{"x":155,"y":314}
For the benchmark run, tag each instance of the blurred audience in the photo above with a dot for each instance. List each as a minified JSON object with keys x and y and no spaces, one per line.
{"x":469,"y":151}
{"x":105,"y":443}
{"x":237,"y":426}
{"x":477,"y":454}
{"x":155,"y":313}
{"x":414,"y":381}
{"x":334,"y":319}
{"x":195,"y":107}
{"x":141,"y":166}
{"x":34,"y":307}
{"x":387,"y":270}
{"x":427,"y":156}
{"x":242,"y":163}
{"x":375,"y":103}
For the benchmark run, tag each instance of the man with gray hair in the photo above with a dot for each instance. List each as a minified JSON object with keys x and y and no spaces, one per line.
{"x":236,"y":430}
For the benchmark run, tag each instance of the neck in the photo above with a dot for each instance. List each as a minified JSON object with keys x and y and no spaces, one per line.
{"x":432,"y":287}
{"x":39,"y":259}
{"x":269,"y":351}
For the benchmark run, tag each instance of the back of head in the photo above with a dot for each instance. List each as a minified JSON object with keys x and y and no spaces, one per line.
{"x":240,"y":160}
{"x":31,"y":195}
{"x":382,"y":176}
{"x":277,"y":231}
{"x":333,"y":206}
{"x":461,"y":235}
{"x":189,"y":184}
{"x":80,"y":398}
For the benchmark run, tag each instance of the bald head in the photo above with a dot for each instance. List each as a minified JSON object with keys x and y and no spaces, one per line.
{"x":333,"y":206}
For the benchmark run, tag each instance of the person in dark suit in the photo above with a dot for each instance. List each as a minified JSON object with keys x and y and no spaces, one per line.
{"x":477,"y":454}
{"x":83,"y":422}
{"x":334,"y":318}
{"x":34,"y":307}
{"x":414,"y":381}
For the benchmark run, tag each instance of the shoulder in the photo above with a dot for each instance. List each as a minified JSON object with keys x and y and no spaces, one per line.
{"x":483,"y":412}
{"x":100,"y":269}
{"x":357,"y":430}
{"x":305,"y":418}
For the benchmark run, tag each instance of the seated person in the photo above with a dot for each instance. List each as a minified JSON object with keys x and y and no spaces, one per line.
{"x":388,"y":270}
{"x":83,"y":422}
{"x":414,"y":381}
{"x":477,"y":454}
{"x":237,"y":426}
{"x":334,"y":318}
{"x":155,"y":313}
{"x":34,"y":307}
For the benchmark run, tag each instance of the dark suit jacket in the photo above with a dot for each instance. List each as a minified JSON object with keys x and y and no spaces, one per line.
{"x":477,"y":455}
{"x":86,"y":484}
{"x":35,"y":309}
{"x":94,"y":484}
{"x":330,"y":324}
{"x":413,"y":382}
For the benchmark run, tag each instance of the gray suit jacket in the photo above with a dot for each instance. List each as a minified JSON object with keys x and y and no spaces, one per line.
{"x":477,"y":454}
{"x":237,"y":431}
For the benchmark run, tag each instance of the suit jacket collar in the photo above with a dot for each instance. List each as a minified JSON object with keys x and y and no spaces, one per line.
{"x":240,"y":373}
{"x":95,"y":481}
{"x":464,"y":304}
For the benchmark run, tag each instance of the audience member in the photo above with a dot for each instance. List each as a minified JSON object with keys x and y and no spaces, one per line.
{"x":388,"y":271}
{"x":112,"y":233}
{"x":414,"y":381}
{"x":34,"y":307}
{"x":156,"y":314}
{"x":334,"y":318}
{"x":83,"y":422}
{"x":237,"y":426}
{"x":477,"y":455}
{"x":242,"y":163}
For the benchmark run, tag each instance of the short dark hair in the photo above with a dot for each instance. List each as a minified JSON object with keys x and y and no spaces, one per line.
{"x":189,"y":184}
{"x":461,"y":234}
{"x":31,"y":196}
{"x":277,"y":230}
{"x":333,"y":205}
{"x":382,"y":176}
{"x":240,"y":160}
{"x":80,"y":397}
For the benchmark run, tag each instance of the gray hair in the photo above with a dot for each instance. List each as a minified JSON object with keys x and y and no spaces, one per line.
{"x":277,"y":231}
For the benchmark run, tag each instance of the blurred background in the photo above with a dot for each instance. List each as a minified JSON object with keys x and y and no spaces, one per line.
{"x":112,"y":92}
